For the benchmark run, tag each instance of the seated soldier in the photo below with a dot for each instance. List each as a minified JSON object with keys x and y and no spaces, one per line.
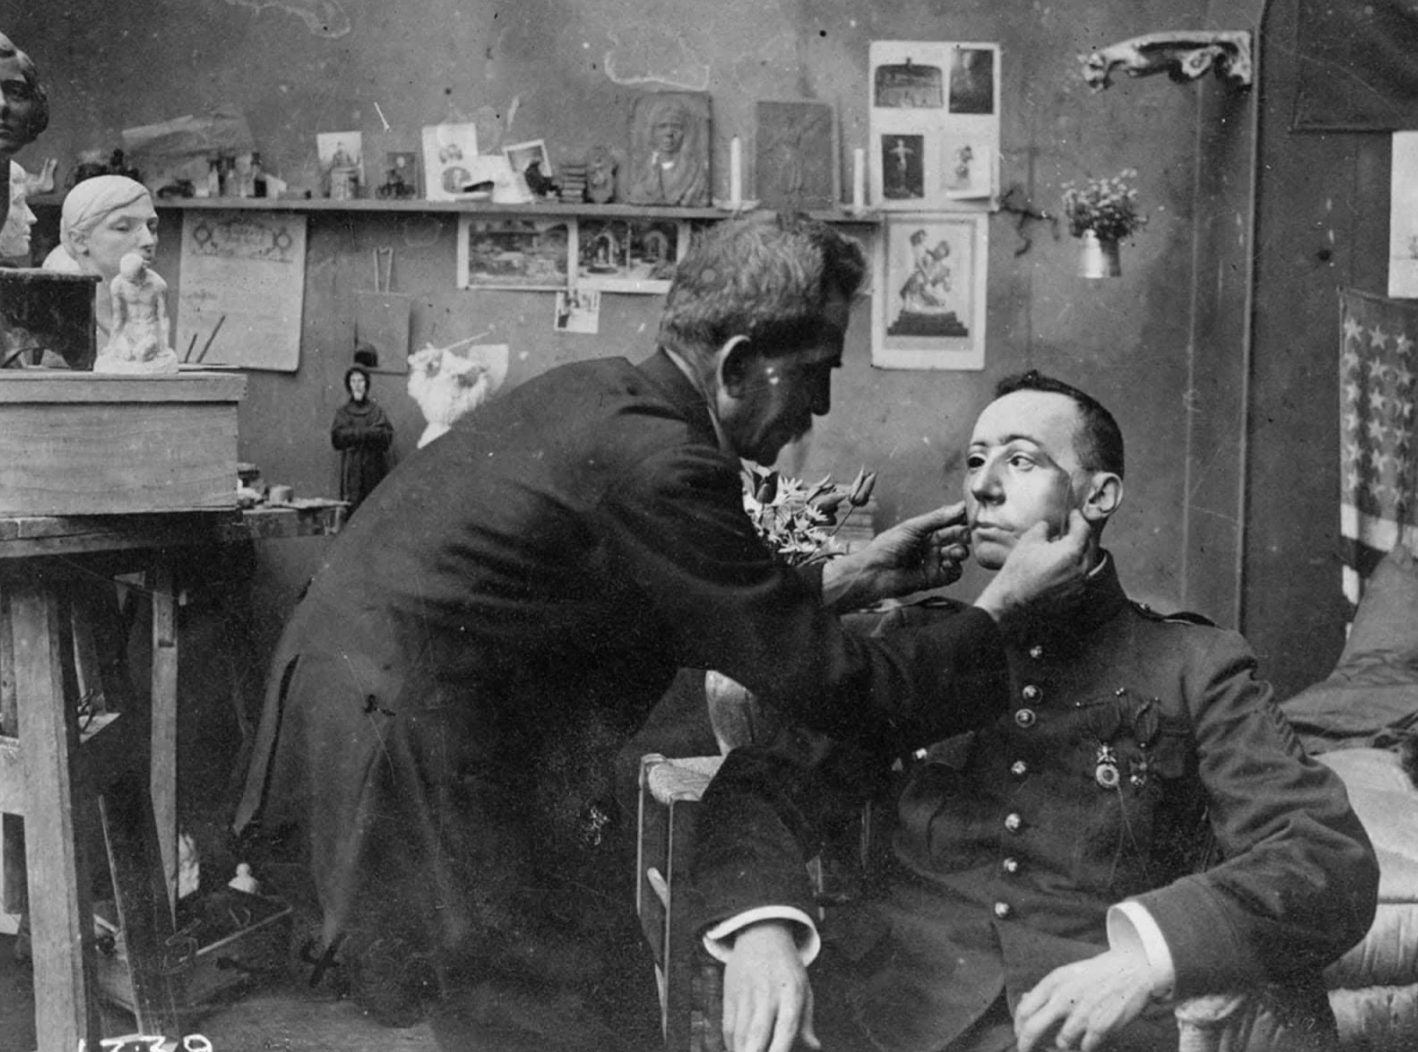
{"x":1138,"y":824}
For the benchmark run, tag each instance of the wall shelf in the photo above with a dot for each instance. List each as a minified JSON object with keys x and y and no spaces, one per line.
{"x":384,"y":205}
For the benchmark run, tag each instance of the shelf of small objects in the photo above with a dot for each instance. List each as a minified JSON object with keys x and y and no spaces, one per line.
{"x":845,"y":214}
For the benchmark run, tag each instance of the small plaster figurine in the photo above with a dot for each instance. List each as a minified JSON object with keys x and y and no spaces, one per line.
{"x":244,"y":881}
{"x":139,"y":342}
{"x":446,"y":385}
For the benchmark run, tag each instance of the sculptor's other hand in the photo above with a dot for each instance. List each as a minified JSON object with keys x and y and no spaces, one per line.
{"x":1082,"y":1003}
{"x":767,"y":996}
{"x":921,"y":553}
{"x":1039,"y":570}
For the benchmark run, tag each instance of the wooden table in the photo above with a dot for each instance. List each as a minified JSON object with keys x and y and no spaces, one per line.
{"x":56,"y":641}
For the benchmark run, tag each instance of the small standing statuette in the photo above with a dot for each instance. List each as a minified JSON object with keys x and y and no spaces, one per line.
{"x":244,"y":881}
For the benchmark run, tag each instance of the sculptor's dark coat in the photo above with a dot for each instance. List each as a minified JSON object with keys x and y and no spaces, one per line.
{"x":448,"y":699}
{"x":1009,"y":844}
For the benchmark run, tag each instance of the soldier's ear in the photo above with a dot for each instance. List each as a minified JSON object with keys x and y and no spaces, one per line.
{"x":1105,"y":494}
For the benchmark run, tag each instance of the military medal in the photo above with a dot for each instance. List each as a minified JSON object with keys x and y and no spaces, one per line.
{"x":1138,"y":772}
{"x":1106,"y":771}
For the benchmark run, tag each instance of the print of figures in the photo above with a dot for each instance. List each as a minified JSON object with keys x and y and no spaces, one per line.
{"x":925,"y":294}
{"x":903,"y":166}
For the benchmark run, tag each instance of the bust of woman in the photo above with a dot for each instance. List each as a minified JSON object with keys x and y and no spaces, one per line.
{"x":26,"y":110}
{"x":15,"y":234}
{"x":104,"y":219}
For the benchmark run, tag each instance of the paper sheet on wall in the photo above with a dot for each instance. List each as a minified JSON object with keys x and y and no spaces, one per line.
{"x":242,"y":289}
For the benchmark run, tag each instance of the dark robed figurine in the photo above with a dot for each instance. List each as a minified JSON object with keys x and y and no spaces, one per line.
{"x":362,"y":433}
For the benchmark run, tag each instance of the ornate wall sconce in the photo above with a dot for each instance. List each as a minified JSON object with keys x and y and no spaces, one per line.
{"x":1184,"y":55}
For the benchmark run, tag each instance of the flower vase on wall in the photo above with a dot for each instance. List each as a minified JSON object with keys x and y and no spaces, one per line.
{"x":1100,"y":257}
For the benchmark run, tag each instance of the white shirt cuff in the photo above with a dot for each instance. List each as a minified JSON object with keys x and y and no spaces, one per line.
{"x":1132,"y":929}
{"x":718,"y":940}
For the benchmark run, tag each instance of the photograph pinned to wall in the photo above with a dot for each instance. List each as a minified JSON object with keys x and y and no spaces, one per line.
{"x":514,"y":253}
{"x":669,"y":150}
{"x":1403,"y":217}
{"x":341,"y":164}
{"x":532,"y":164}
{"x":795,"y":156}
{"x":629,"y":255}
{"x":935,"y":127}
{"x":967,"y":168}
{"x":928,"y":301}
{"x":448,"y":153}
{"x":578,"y":310}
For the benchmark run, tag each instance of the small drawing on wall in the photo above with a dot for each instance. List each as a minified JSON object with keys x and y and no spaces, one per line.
{"x":629,"y":255}
{"x":928,"y":302}
{"x":972,"y":80}
{"x":908,"y":85}
{"x":1403,"y":217}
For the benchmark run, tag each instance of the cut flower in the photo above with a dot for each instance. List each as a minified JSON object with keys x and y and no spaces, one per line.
{"x":1107,"y":207}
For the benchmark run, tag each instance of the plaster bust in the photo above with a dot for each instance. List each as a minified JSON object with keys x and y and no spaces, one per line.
{"x":26,"y":110}
{"x":671,"y":158}
{"x":15,"y":234}
{"x":103,"y":219}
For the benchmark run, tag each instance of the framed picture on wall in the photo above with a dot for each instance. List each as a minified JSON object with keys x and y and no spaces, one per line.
{"x":514,"y":253}
{"x":629,"y":255}
{"x":928,"y":299}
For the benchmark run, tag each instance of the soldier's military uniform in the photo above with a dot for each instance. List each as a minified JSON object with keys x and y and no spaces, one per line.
{"x":1136,"y":756}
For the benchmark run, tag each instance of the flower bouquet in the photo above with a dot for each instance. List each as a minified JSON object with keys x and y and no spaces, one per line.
{"x":1102,"y":212}
{"x":798,"y":522}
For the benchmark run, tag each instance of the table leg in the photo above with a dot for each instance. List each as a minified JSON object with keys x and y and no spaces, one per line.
{"x":61,"y":925}
{"x":163,"y":779}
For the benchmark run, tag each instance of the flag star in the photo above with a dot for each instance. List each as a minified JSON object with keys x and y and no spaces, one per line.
{"x":1404,"y":343}
{"x":1349,"y":360}
{"x":1403,"y":409}
{"x":1377,"y":430}
{"x":1352,"y":391}
{"x":1387,"y":464}
{"x":1377,"y":401}
{"x":1405,"y":376}
{"x":1353,"y":480}
{"x":1352,"y":329}
{"x":1377,"y":337}
{"x":1351,"y":423}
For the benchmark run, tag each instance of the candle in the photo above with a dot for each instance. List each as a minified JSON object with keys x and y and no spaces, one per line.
{"x":735,"y":172}
{"x":859,"y":179}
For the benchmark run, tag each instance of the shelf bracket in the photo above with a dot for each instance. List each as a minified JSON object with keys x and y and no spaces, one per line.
{"x":1184,"y":55}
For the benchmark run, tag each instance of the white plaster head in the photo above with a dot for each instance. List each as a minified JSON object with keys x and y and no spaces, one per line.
{"x":103,"y":219}
{"x":15,"y":234}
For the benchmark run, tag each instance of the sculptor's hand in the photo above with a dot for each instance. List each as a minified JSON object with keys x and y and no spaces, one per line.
{"x":921,"y":553}
{"x":1082,"y":1003}
{"x":767,"y":997}
{"x":1039,"y":570}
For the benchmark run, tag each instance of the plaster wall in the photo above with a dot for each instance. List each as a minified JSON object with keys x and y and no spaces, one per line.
{"x":564,"y":71}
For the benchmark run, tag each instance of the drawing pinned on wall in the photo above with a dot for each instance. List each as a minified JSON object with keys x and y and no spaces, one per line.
{"x":324,"y":18}
{"x":514,"y":253}
{"x":935,"y":126}
{"x":928,"y":297}
{"x":577,"y":310}
{"x":242,"y":289}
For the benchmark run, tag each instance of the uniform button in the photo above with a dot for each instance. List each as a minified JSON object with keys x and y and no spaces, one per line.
{"x":1002,"y":910}
{"x":1010,"y":865}
{"x":1013,"y":822}
{"x":1019,"y":768}
{"x":1024,"y":718}
{"x":1036,"y":652}
{"x":1031,"y":693}
{"x":919,"y":754}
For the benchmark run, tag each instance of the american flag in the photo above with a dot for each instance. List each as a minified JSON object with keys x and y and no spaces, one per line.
{"x":1378,"y":367}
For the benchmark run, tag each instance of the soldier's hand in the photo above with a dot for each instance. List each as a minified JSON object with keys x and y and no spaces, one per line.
{"x":1039,"y":571}
{"x":1081,"y":1004}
